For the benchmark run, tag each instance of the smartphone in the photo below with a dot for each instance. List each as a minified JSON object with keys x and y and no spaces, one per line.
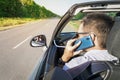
{"x":86,"y":42}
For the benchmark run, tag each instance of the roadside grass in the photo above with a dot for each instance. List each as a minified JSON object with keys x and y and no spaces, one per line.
{"x":76,"y":23}
{"x":7,"y":23}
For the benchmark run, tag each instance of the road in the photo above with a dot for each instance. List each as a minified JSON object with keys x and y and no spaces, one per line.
{"x":17,"y":58}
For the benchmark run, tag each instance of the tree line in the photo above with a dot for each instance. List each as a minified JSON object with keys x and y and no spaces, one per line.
{"x":23,"y":8}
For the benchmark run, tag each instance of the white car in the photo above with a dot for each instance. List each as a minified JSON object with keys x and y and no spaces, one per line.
{"x":48,"y":68}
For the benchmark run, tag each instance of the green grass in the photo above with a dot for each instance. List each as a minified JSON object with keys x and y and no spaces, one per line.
{"x":7,"y":23}
{"x":76,"y":24}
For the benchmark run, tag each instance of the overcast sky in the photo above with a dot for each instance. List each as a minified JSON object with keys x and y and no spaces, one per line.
{"x":58,"y":6}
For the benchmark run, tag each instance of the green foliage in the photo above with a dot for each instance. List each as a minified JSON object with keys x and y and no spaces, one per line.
{"x":79,"y":16}
{"x":10,"y":8}
{"x":112,"y":14}
{"x":23,"y":8}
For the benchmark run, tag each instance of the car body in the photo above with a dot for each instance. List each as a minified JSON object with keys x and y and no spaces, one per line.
{"x":62,"y":34}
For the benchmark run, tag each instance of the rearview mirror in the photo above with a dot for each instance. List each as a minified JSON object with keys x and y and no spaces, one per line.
{"x":38,"y":41}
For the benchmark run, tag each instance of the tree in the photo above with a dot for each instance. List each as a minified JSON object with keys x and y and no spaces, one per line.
{"x":23,"y":8}
{"x":10,"y":8}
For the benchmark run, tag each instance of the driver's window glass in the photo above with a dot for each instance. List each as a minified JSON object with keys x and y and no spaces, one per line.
{"x":74,"y":23}
{"x":69,"y":31}
{"x":72,"y":26}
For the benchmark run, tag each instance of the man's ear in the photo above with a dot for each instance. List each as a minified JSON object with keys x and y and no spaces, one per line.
{"x":92,"y":36}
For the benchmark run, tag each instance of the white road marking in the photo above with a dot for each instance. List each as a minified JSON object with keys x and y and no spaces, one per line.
{"x":21,"y":42}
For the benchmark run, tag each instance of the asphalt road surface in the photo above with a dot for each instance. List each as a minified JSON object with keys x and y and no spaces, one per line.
{"x":17,"y":58}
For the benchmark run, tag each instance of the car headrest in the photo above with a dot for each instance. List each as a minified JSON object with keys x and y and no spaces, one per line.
{"x":113,"y":40}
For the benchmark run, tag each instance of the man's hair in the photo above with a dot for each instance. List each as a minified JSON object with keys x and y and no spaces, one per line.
{"x":100,"y":24}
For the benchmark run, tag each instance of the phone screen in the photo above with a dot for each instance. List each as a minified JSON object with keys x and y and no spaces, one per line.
{"x":86,"y":42}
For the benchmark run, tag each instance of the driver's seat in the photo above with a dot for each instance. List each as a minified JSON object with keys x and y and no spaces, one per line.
{"x":113,"y":46}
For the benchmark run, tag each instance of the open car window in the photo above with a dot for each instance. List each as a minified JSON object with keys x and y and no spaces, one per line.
{"x":69,"y":31}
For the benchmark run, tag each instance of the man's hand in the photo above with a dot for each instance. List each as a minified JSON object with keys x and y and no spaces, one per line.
{"x":69,"y":50}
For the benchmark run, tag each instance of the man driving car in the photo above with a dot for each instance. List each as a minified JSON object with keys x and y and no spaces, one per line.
{"x":97,"y":26}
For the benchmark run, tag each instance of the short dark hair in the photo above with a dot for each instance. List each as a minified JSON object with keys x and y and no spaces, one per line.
{"x":100,"y":24}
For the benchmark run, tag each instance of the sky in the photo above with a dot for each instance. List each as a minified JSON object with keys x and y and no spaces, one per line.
{"x":58,"y":6}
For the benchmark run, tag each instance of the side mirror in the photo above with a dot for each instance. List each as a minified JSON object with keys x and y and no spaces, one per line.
{"x":38,"y":41}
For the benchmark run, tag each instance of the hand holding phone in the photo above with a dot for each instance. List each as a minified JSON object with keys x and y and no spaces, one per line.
{"x":86,"y":42}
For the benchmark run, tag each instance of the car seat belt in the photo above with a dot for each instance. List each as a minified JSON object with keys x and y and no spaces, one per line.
{"x":94,"y":68}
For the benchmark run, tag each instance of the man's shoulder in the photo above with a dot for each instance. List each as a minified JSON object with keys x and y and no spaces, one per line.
{"x":96,"y":52}
{"x":100,"y":55}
